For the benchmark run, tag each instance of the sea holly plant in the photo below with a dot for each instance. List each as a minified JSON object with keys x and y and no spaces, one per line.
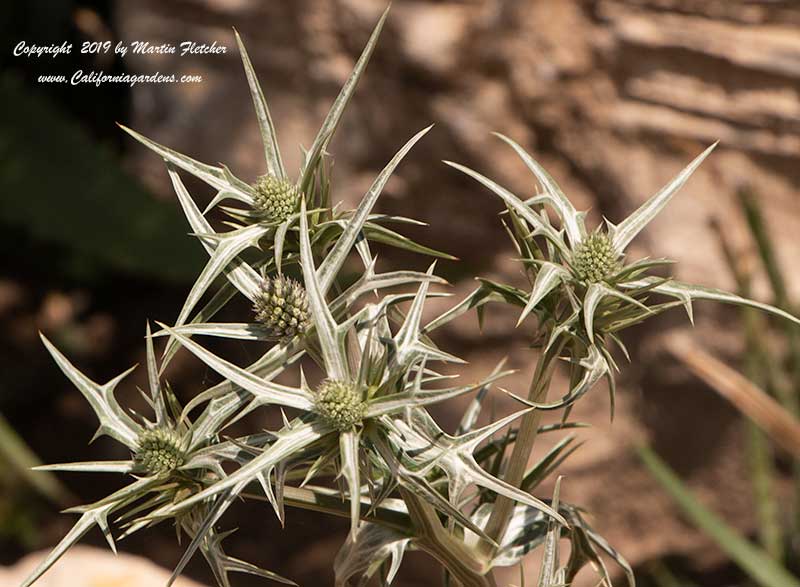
{"x":583,"y":289}
{"x":267,"y":211}
{"x":583,"y":292}
{"x":163,"y":452}
{"x":357,"y":439}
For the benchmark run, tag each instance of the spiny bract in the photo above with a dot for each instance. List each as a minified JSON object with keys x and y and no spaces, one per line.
{"x":275,"y":199}
{"x":159,"y":451}
{"x":596,"y":258}
{"x":282,"y":306}
{"x":340,"y":404}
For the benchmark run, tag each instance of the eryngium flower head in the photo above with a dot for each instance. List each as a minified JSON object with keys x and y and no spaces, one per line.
{"x":160,"y":451}
{"x":282,"y":306}
{"x":275,"y":199}
{"x":340,"y":404}
{"x":595,"y":259}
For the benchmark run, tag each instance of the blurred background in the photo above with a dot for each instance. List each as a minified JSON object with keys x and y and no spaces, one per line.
{"x":613,"y":97}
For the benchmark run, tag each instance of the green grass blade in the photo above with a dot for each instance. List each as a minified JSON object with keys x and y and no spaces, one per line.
{"x":788,"y":395}
{"x":762,"y":470}
{"x":750,"y":558}
{"x":760,"y":366}
{"x":17,"y":456}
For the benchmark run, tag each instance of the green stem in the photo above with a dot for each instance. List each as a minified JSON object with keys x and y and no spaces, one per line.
{"x":766,"y":251}
{"x":763,"y":472}
{"x":526,"y":438}
{"x":760,"y":368}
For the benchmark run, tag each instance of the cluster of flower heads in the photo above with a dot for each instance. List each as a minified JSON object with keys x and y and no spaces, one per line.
{"x":360,"y":441}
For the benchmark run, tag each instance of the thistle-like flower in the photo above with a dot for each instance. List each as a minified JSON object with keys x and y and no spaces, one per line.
{"x":581,"y":284}
{"x":369,"y":385}
{"x":340,"y":403}
{"x":365,"y":423}
{"x":275,"y":199}
{"x":160,"y":450}
{"x":172,"y":460}
{"x":281,"y":305}
{"x":595,"y":259}
{"x":266,"y":213}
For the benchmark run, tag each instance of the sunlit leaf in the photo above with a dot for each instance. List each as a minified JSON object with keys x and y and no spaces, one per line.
{"x":114,"y":421}
{"x":367,"y":551}
{"x":272,"y":154}
{"x":573,"y":224}
{"x":623,"y":233}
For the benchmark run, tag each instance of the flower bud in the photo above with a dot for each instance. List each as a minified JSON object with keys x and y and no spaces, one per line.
{"x":282,"y":306}
{"x":595,"y":259}
{"x":275,"y":199}
{"x":340,"y":404}
{"x":159,"y":451}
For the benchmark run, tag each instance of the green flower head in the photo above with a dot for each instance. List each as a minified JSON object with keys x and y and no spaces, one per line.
{"x":282,"y":306}
{"x":580,"y":285}
{"x":340,"y":404}
{"x":595,"y":259}
{"x":275,"y":199}
{"x":159,"y":451}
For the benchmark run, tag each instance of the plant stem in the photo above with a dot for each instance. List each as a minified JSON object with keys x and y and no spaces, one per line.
{"x":759,"y":368}
{"x":523,"y":446}
{"x":789,"y":398}
{"x":763,"y":472}
{"x":766,"y":251}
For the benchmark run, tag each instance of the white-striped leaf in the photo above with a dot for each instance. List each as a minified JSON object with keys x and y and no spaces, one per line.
{"x":623,"y":233}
